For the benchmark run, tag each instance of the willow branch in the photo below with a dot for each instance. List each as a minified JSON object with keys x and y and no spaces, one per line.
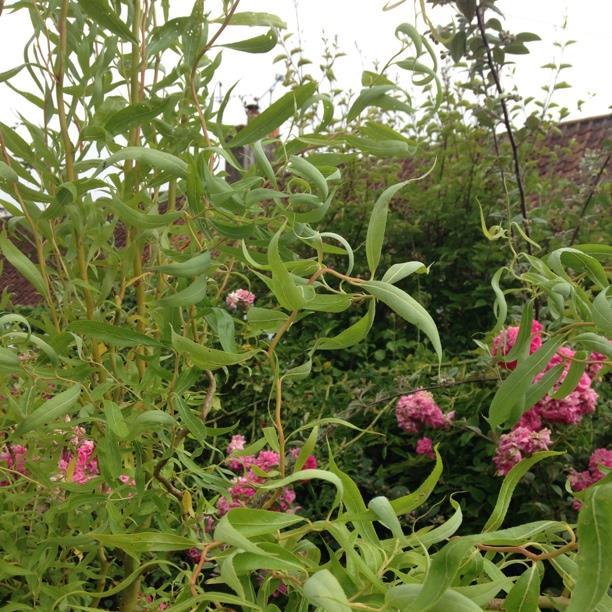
{"x":507,"y":124}
{"x":589,"y":198}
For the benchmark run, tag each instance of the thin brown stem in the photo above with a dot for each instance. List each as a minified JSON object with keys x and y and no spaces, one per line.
{"x":525,"y":552}
{"x":506,"y":120}
{"x":194,"y":68}
{"x":589,"y":198}
{"x":198,"y":568}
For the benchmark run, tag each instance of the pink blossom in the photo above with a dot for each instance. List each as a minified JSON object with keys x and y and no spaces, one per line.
{"x":506,"y":339}
{"x":85,"y":466}
{"x":570,"y":409}
{"x":596,"y":363}
{"x":287,"y":498}
{"x":418,"y":410}
{"x":519,"y":443}
{"x":424,"y":446}
{"x":236,"y":444}
{"x":14,"y":456}
{"x":238,"y":464}
{"x":602,"y":457}
{"x":309,"y":464}
{"x":266,"y":460}
{"x":241,"y":298}
{"x":193,"y":554}
{"x":128,"y":480}
{"x":580,"y":480}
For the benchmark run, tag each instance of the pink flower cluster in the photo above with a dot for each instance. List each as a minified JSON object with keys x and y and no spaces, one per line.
{"x":529,"y":435}
{"x":424,"y":446}
{"x":517,"y":444}
{"x":418,"y":410}
{"x":248,"y":468}
{"x":83,"y":464}
{"x":506,"y":339}
{"x":571,"y":409}
{"x":602,"y":457}
{"x":14,"y":456}
{"x":241,"y":298}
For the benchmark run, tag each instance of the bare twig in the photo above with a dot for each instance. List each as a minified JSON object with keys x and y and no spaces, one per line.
{"x":589,"y":198}
{"x":198,"y":568}
{"x":507,"y":124}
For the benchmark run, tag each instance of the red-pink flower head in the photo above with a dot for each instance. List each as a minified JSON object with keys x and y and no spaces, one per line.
{"x":418,"y":410}
{"x":602,"y":457}
{"x":571,"y":409}
{"x":506,"y":339}
{"x":596,"y":363}
{"x":241,"y":298}
{"x":424,"y":446}
{"x":518,"y":443}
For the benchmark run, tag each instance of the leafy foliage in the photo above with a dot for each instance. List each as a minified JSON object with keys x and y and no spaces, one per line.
{"x":120,"y":393}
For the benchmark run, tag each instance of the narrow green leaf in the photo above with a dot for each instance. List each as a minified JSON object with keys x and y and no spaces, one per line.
{"x":403,"y":597}
{"x":350,"y":336}
{"x":112,"y":334}
{"x":323,"y":590}
{"x":407,"y":307}
{"x":385,"y":513}
{"x":258,"y":44}
{"x":594,"y":559}
{"x":134,"y":115}
{"x":524,"y":595}
{"x":288,"y":294}
{"x":137,"y":218}
{"x":222,"y":323}
{"x":303,"y":168}
{"x":25,"y":267}
{"x":515,"y":386}
{"x":166,"y":35}
{"x":500,"y":306}
{"x":193,"y":294}
{"x":398,"y":272}
{"x":51,"y":410}
{"x":255,"y":19}
{"x":538,"y":390}
{"x":160,"y":160}
{"x":195,"y":266}
{"x":274,"y":116}
{"x":9,"y":74}
{"x":265,"y":319}
{"x":192,"y":422}
{"x":520,"y":350}
{"x":338,"y":302}
{"x":411,"y":501}
{"x":594,"y":342}
{"x":572,"y":378}
{"x":115,"y":420}
{"x":147,"y":541}
{"x":442,"y":571}
{"x":602,"y":312}
{"x":7,"y":173}
{"x":207,"y":358}
{"x":9,"y":362}
{"x":101,"y":12}
{"x":512,"y":479}
{"x":378,"y":224}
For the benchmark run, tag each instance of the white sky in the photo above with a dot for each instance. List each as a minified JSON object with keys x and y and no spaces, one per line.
{"x":366,"y":33}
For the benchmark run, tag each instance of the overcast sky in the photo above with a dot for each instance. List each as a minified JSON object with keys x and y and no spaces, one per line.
{"x":366,"y":34}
